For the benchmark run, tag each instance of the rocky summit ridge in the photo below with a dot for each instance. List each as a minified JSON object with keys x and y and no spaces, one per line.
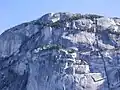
{"x":61,"y":51}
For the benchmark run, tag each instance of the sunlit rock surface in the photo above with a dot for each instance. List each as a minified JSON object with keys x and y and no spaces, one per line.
{"x":61,"y":51}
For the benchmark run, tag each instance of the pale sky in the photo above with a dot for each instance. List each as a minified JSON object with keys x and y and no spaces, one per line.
{"x":14,"y":12}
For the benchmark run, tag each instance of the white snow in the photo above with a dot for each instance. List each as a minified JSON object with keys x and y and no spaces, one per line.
{"x":107,"y":54}
{"x":81,"y":37}
{"x":105,"y":22}
{"x":55,"y":19}
{"x":114,"y":28}
{"x":98,"y":79}
{"x":37,"y":50}
{"x":81,"y":69}
{"x":82,"y":23}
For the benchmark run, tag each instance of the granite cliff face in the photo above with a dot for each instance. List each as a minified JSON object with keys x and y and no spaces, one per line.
{"x":61,"y":51}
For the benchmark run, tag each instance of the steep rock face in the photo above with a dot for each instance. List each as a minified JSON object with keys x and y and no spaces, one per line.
{"x":61,"y":51}
{"x":11,"y":40}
